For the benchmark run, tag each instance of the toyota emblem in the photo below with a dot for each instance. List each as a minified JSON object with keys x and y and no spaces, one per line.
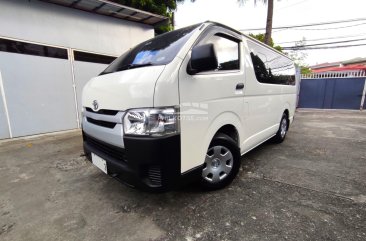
{"x":95,"y":105}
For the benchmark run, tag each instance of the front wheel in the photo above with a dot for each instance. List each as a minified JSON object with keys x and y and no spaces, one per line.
{"x":222,"y":163}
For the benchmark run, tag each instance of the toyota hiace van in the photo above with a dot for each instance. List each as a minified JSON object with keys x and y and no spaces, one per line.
{"x":185,"y":106}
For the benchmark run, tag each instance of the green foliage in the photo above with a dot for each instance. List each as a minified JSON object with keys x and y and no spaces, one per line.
{"x":260,"y":37}
{"x":305,"y":70}
{"x":161,"y":7}
{"x":299,"y":57}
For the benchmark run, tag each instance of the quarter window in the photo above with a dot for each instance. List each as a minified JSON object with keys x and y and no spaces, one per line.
{"x":270,"y":67}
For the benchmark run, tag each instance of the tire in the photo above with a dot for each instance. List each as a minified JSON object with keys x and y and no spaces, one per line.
{"x":222,"y":163}
{"x":282,"y":129}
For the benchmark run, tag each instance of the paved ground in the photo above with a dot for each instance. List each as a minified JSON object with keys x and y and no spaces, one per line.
{"x":311,"y":187}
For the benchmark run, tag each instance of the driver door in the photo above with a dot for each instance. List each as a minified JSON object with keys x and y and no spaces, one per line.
{"x":211,"y":99}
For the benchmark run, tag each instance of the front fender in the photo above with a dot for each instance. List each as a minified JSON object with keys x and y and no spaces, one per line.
{"x":226,"y":118}
{"x":197,"y":135}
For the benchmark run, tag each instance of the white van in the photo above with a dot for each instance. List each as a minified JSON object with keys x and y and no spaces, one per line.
{"x":185,"y":105}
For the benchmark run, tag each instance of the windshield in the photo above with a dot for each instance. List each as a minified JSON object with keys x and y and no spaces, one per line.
{"x":160,"y":50}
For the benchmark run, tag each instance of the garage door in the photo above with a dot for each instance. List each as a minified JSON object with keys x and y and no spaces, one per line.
{"x":37,"y":82}
{"x":4,"y":129}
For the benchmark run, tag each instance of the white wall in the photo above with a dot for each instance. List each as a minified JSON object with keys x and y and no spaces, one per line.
{"x":53,"y":24}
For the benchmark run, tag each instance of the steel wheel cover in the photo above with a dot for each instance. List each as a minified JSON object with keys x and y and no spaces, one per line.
{"x":218,"y":164}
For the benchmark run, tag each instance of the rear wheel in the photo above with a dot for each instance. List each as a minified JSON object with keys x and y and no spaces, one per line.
{"x":222,"y":163}
{"x":282,"y":130}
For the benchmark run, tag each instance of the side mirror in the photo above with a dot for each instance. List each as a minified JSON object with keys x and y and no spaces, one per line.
{"x":203,"y":58}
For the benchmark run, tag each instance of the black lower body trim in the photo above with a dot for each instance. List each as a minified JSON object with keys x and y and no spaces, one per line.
{"x":147,"y":163}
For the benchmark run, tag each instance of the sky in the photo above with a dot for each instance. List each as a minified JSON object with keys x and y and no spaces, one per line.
{"x":287,"y":13}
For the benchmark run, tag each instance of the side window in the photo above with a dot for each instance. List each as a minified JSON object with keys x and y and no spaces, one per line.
{"x":270,"y":67}
{"x":19,"y":47}
{"x":227,"y":52}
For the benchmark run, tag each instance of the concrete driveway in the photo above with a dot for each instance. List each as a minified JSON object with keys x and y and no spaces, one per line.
{"x":311,"y":187}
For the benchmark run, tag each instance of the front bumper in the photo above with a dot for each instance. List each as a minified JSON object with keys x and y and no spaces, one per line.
{"x":145,"y":162}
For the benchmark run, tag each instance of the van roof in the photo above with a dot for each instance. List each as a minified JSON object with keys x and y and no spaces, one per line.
{"x":247,"y":36}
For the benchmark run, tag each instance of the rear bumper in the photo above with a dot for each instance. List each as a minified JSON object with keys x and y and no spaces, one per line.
{"x":145,"y":162}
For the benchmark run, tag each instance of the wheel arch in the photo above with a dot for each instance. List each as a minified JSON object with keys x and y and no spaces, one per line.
{"x":229,"y":130}
{"x":227,"y":123}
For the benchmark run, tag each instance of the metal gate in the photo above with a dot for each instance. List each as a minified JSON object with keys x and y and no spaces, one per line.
{"x":333,"y":91}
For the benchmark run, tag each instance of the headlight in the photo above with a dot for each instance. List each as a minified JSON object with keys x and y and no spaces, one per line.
{"x":151,"y":121}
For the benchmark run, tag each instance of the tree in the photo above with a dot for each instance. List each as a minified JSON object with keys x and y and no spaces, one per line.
{"x":161,"y":7}
{"x":268,"y":34}
{"x":261,"y":37}
{"x":299,"y":57}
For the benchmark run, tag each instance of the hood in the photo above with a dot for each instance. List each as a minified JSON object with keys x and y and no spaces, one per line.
{"x":123,"y":90}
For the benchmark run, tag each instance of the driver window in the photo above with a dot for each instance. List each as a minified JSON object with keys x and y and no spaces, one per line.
{"x":227,"y":52}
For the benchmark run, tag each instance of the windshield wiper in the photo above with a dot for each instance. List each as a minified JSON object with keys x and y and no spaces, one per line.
{"x":125,"y":67}
{"x":133,"y":66}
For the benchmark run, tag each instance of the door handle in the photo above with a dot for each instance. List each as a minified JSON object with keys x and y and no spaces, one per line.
{"x":239,"y":86}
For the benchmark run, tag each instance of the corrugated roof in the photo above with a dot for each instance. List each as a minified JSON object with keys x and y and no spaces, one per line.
{"x":345,"y":68}
{"x":112,"y":9}
{"x":325,"y":65}
{"x":354,"y":61}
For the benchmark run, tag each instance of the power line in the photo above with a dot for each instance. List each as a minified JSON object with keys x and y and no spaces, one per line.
{"x":310,"y":24}
{"x":319,"y":39}
{"x":311,"y":29}
{"x":326,"y":47}
{"x":337,"y":42}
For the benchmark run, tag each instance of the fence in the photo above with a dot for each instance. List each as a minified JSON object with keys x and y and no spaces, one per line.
{"x":333,"y":90}
{"x":348,"y":74}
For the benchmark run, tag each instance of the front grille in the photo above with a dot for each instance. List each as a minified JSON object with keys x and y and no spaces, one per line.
{"x":154,"y":175}
{"x":106,"y":124}
{"x":110,"y":150}
{"x":102,"y":112}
